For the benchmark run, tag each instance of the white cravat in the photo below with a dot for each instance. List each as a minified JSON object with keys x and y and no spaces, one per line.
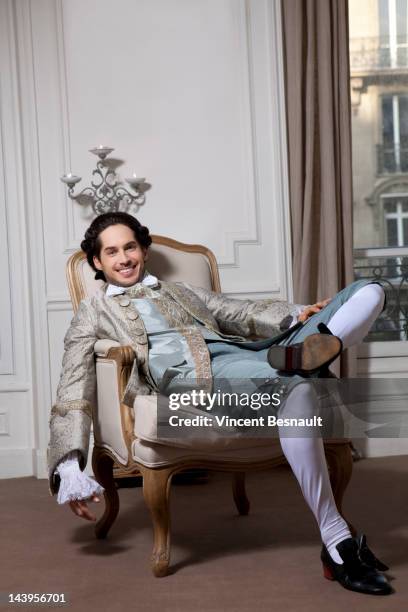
{"x":148,"y":280}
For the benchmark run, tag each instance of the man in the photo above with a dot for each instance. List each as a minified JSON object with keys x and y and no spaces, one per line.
{"x":180,"y":334}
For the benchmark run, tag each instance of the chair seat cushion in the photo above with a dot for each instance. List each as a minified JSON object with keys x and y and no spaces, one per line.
{"x":155,"y":455}
{"x":152,"y":450}
{"x":213,"y":437}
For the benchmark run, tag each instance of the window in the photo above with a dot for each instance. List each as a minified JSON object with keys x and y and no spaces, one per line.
{"x":394,"y":134}
{"x":396,"y":220}
{"x":393,"y":29}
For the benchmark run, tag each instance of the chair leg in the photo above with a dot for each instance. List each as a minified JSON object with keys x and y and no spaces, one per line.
{"x":340,"y":464}
{"x":102,"y":465}
{"x":239,"y":493}
{"x":156,"y":491}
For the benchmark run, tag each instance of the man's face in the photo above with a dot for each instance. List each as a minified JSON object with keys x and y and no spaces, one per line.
{"x":121,"y":257}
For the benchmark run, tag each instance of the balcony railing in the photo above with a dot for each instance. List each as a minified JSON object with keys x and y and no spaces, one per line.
{"x":371,"y":54}
{"x":391,"y":160}
{"x":388,"y":266}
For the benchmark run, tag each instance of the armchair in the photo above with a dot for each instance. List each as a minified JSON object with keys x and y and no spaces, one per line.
{"x":126,"y":442}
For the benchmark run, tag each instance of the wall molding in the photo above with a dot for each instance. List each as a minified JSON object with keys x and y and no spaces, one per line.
{"x":59,"y":304}
{"x":8,"y":185}
{"x":4,"y":423}
{"x":280,"y":164}
{"x":39,"y":460}
{"x":251,"y":236}
{"x":33,"y":216}
{"x":14,"y":387}
{"x":71,"y":243}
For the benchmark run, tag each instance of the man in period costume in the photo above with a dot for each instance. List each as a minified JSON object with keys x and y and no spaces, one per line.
{"x":181,"y":334}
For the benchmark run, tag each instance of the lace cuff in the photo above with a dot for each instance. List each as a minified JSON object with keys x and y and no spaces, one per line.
{"x":75,"y":484}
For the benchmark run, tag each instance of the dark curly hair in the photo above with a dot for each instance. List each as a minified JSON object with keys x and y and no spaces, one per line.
{"x":91,"y":245}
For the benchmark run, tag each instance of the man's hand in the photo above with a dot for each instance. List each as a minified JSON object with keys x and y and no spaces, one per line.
{"x":80,"y":508}
{"x":311,"y":310}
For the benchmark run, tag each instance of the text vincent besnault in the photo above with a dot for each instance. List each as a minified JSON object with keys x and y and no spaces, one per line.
{"x":227,"y":421}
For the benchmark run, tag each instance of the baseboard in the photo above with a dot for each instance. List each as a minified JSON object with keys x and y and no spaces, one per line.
{"x":16,"y":462}
{"x":382,"y":447}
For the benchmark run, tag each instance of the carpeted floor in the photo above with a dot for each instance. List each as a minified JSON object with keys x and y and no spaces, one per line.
{"x":268,"y":560}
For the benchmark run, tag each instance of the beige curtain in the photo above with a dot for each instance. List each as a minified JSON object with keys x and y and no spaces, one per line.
{"x":319,"y":138}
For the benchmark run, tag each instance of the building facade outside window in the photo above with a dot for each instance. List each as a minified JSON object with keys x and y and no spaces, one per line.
{"x":379,"y":99}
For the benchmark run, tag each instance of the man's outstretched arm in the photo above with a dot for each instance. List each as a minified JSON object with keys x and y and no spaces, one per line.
{"x":71,"y":415}
{"x":262,"y":318}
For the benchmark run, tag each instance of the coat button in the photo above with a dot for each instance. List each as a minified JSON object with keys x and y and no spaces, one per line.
{"x":124,"y":301}
{"x":138,"y":332}
{"x":132,"y":315}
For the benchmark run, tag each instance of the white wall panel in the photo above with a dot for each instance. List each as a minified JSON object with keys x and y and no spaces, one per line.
{"x":189,"y":103}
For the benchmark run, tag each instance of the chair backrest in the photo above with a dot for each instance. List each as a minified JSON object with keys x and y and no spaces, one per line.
{"x":168,"y":259}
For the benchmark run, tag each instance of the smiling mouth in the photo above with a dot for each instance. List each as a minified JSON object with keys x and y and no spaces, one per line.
{"x":127,"y":271}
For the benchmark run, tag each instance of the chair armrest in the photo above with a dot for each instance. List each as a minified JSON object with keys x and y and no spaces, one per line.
{"x":102,"y":347}
{"x":113,"y":420}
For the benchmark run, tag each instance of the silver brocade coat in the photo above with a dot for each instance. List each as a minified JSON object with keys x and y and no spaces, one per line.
{"x":115,"y":318}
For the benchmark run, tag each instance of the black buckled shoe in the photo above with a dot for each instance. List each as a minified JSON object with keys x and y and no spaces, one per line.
{"x":315,"y":352}
{"x":367,"y":556}
{"x":354,"y":574}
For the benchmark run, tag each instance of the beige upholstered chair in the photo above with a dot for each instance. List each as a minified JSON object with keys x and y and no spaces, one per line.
{"x":125,"y":436}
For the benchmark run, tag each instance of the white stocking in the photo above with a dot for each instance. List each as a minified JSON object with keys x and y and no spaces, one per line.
{"x":306,"y":457}
{"x":352,"y":322}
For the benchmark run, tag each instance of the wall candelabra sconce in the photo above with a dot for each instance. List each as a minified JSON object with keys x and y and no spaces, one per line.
{"x":107,"y":193}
